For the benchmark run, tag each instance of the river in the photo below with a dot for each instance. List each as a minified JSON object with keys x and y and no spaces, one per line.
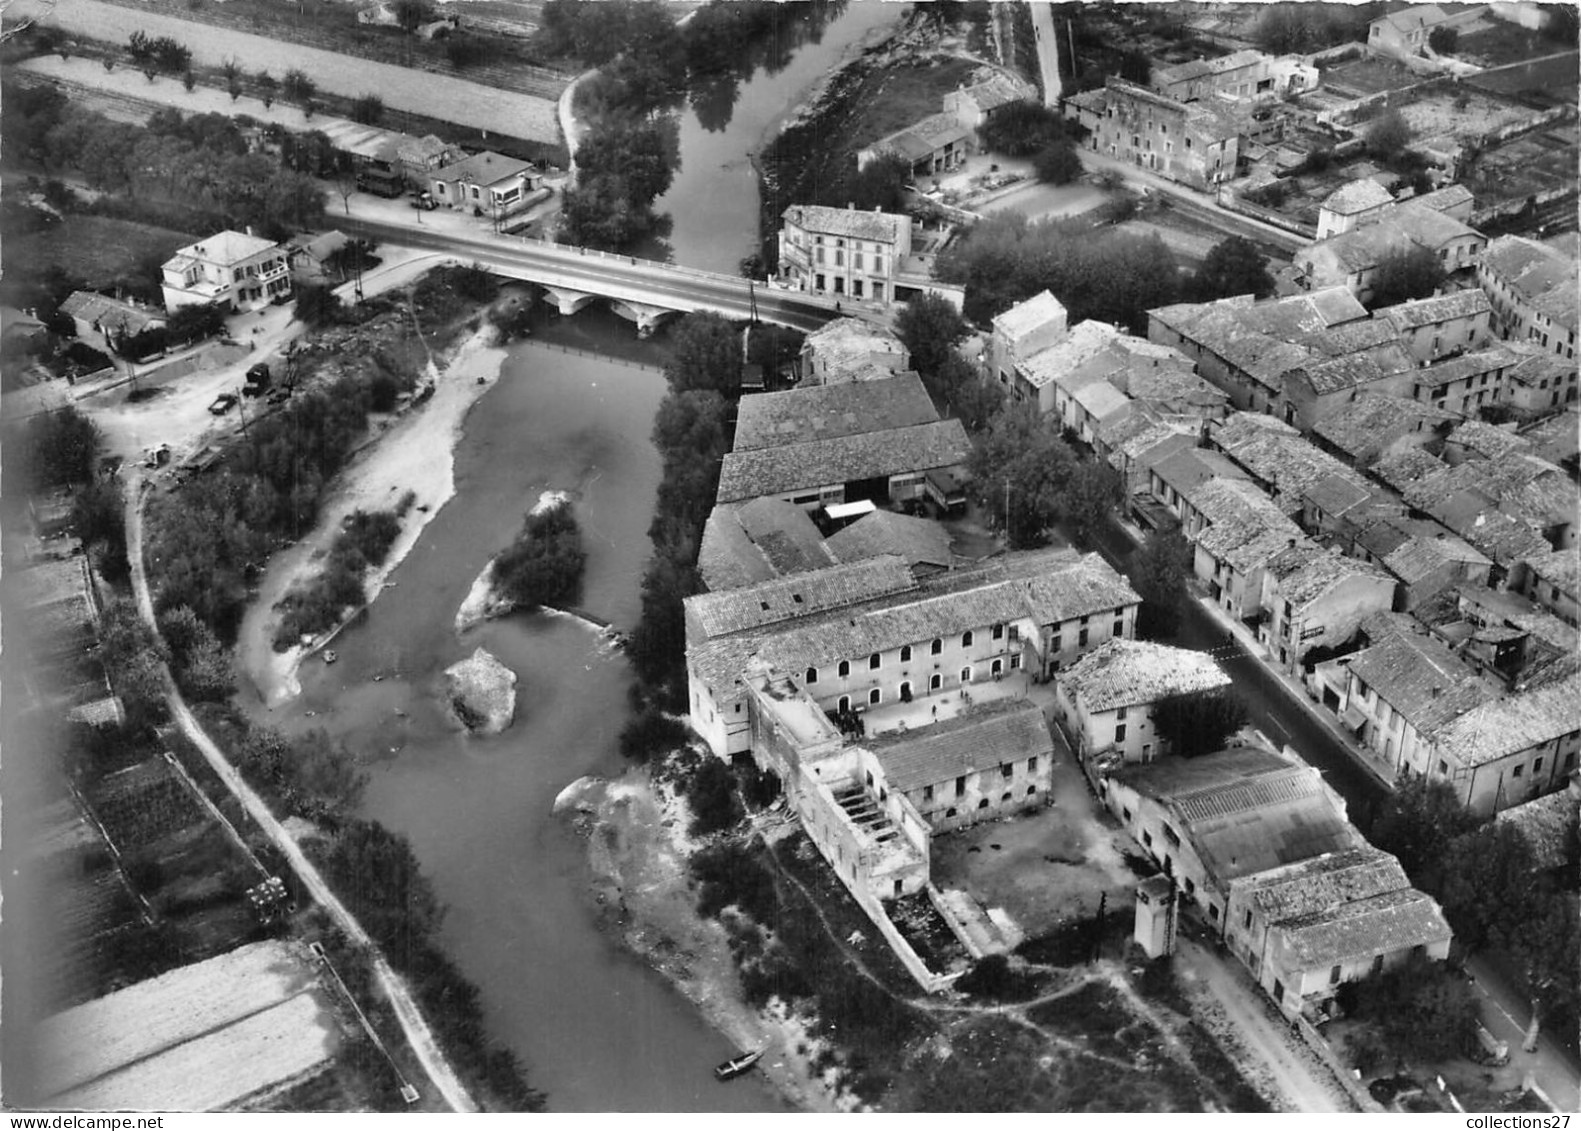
{"x":595,"y":1028}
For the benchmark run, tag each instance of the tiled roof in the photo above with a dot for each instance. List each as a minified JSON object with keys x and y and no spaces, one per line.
{"x":1420,"y":678}
{"x":1306,"y":571}
{"x":850,"y":341}
{"x":1029,"y":315}
{"x":1414,"y":18}
{"x":1467,"y":365}
{"x":1536,"y":365}
{"x":1185,"y":468}
{"x":1415,"y":549}
{"x":1558,"y":567}
{"x":1441,"y":308}
{"x":1101,"y":400}
{"x":1350,"y":371}
{"x":1536,"y":271}
{"x":1401,"y":469}
{"x":1492,"y":730}
{"x":486,"y":168}
{"x":757,"y":541}
{"x":995,"y":91}
{"x":1442,"y":200}
{"x":881,"y":226}
{"x":1548,"y":825}
{"x":1558,"y":438}
{"x":1045,"y":587}
{"x":226,"y":248}
{"x":1124,"y":673}
{"x":791,"y":598}
{"x":1362,"y":428}
{"x":1291,"y":464}
{"x":984,"y":738}
{"x":1324,"y":882}
{"x":798,"y":467}
{"x":1155,"y":441}
{"x":1387,"y":923}
{"x":1237,"y":504}
{"x":920,"y":541}
{"x":827,"y":412}
{"x":1060,"y":361}
{"x":1487,"y":440}
{"x":110,"y":314}
{"x":1246,"y":811}
{"x":1356,"y":196}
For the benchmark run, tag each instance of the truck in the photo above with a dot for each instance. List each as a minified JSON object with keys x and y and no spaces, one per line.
{"x":258,"y":378}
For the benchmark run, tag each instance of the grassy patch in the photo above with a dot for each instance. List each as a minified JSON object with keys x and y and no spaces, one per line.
{"x":97,"y":249}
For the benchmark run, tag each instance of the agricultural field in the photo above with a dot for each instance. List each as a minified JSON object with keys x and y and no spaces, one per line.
{"x":200,"y":1038}
{"x":97,"y":249}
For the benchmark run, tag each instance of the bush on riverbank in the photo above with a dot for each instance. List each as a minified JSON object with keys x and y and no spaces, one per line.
{"x":544,"y":565}
{"x":363,"y":543}
{"x":650,"y":734}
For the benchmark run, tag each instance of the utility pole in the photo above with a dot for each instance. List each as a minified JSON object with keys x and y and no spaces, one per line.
{"x":1007,"y":508}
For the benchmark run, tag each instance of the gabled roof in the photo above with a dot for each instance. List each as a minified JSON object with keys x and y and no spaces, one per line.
{"x":1557,"y":567}
{"x":1361,"y":195}
{"x":870,"y":455}
{"x":991,"y":93}
{"x":805,"y":595}
{"x":110,"y":314}
{"x":1245,"y":810}
{"x":1487,"y":440}
{"x":1440,"y":308}
{"x":849,"y":222}
{"x":984,"y":738}
{"x":1386,"y":923}
{"x":1443,"y":199}
{"x":850,"y":341}
{"x":757,"y":541}
{"x":1400,"y":469}
{"x":1061,"y":362}
{"x":920,"y":541}
{"x":1415,"y":549}
{"x":1028,"y":316}
{"x":1538,"y":272}
{"x":1465,"y":366}
{"x":1548,"y":825}
{"x":1493,"y":729}
{"x":1185,"y":467}
{"x":1292,"y":464}
{"x":1323,"y":883}
{"x":827,"y":412}
{"x":1420,"y":678}
{"x":1126,"y":673}
{"x":1306,"y":571}
{"x":1362,"y":428}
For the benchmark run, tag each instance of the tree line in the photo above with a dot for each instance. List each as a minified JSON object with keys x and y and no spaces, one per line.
{"x":201,"y":163}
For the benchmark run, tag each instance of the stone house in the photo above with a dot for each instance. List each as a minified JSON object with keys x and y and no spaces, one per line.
{"x":1539,"y":382}
{"x":841,"y":251}
{"x":1404,"y":34}
{"x":1194,"y":143}
{"x":1350,"y":205}
{"x":939,"y":143}
{"x":1534,"y":293}
{"x":1317,"y":598}
{"x":1027,"y":328}
{"x":1373,"y":425}
{"x":1105,"y":700}
{"x":1550,"y":579}
{"x":847,"y":345}
{"x":1422,"y":556}
{"x":487,"y":183}
{"x":1465,"y":384}
{"x":100,"y":317}
{"x":1353,"y":258}
{"x":1431,"y":328}
{"x":976,"y":105}
{"x":1240,"y":532}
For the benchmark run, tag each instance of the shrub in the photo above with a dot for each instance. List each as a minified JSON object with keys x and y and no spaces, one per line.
{"x":712,"y":796}
{"x":544,"y":565}
{"x":651,"y":733}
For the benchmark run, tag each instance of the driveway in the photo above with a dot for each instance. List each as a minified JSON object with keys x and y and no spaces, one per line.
{"x":418,"y":92}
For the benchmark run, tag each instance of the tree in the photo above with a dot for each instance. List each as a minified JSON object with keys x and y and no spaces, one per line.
{"x":98,"y":516}
{"x":651,"y":734}
{"x":642,"y":152}
{"x":1158,"y":574}
{"x":1405,"y":275}
{"x":317,"y":305}
{"x":1418,"y":822}
{"x":1423,"y":1012}
{"x":1198,"y":722}
{"x":600,"y":213}
{"x":1091,"y":493}
{"x":1233,"y":266}
{"x":1136,"y":67}
{"x":368,"y":109}
{"x":267,"y":85}
{"x":1443,"y":40}
{"x":1022,"y":128}
{"x":711,"y":792}
{"x":61,"y":448}
{"x":543,"y":566}
{"x":1387,"y":136}
{"x":1019,"y":468}
{"x":298,"y":87}
{"x":929,"y":327}
{"x":409,"y":14}
{"x":1058,"y":163}
{"x":706,"y":354}
{"x":881,"y":184}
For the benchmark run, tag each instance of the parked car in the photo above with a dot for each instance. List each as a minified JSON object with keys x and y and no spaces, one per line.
{"x":258,"y":378}
{"x":223,"y":404}
{"x":279,"y":396}
{"x":425,"y":201}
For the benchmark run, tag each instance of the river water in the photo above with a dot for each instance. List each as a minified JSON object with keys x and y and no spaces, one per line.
{"x":595,"y":1028}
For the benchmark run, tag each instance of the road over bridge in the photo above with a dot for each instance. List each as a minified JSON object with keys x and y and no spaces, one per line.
{"x":640,"y":289}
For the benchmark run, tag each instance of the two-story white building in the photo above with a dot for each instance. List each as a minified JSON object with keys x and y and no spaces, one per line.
{"x":231,"y":269}
{"x":843,"y":251}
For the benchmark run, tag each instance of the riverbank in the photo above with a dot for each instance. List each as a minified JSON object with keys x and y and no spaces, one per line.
{"x":413,"y":452}
{"x":639,"y":849}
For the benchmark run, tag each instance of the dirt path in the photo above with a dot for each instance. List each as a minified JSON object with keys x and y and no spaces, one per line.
{"x":418,"y":92}
{"x":418,"y":1035}
{"x":1265,"y":1050}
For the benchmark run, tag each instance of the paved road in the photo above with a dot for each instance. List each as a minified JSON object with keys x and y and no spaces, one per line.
{"x":612,"y":276}
{"x":418,"y":1035}
{"x":418,"y":92}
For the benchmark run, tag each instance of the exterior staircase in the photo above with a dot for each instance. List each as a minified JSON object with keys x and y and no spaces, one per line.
{"x":865,"y":813}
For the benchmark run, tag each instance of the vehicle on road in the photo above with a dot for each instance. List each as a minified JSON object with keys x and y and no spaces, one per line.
{"x":425,"y":201}
{"x":223,"y":404}
{"x":258,"y":378}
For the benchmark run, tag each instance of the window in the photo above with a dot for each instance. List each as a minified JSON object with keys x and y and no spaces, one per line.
{"x":1127,"y":812}
{"x":905,"y":654}
{"x":936,"y":647}
{"x":966,"y":639}
{"x":996,"y":669}
{"x":1333,"y":976}
{"x":1031,"y":789}
{"x":1081,"y":639}
{"x":875,"y":696}
{"x":1518,"y":771}
{"x":874,"y":661}
{"x":999,"y":632}
{"x":1120,"y":714}
{"x":1032,"y":765}
{"x":1054,"y":643}
{"x":935,"y":681}
{"x":1015,"y":663}
{"x":982,"y":803}
{"x":1171,"y":836}
{"x":1007,"y":770}
{"x":960,"y":786}
{"x":1118,"y":629}
{"x":927,"y":793}
{"x":1119,"y":733}
{"x":966,"y":675}
{"x":1147,"y":838}
{"x":1247,"y":922}
{"x":845,"y":703}
{"x":845,"y":668}
{"x":1537,"y":766}
{"x":812,"y":675}
{"x":949,"y":813}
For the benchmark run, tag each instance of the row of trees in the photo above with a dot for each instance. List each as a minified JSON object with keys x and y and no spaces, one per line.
{"x":1498,"y":896}
{"x":200,"y":163}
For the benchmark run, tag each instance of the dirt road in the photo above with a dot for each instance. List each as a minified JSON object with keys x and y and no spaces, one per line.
{"x":418,"y":92}
{"x":1266,"y":1051}
{"x":418,"y":1035}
